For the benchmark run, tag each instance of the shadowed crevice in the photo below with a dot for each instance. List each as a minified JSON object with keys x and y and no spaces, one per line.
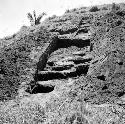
{"x":121,"y":93}
{"x":102,"y":77}
{"x":73,"y":72}
{"x":65,"y":43}
{"x":38,"y":88}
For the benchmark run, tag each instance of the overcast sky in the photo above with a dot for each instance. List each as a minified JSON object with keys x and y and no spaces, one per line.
{"x":13,"y":12}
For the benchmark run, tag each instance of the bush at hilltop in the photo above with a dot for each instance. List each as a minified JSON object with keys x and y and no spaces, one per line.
{"x":94,"y":9}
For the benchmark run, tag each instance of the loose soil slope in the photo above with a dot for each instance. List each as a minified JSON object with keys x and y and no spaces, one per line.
{"x":67,"y":83}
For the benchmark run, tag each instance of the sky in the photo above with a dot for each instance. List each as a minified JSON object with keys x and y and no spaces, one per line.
{"x":13,"y":13}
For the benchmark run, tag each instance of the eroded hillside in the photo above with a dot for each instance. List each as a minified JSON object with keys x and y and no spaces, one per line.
{"x":68,"y":70}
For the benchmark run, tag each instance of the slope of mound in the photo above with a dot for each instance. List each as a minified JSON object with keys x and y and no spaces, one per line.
{"x":18,"y":60}
{"x":108,"y":49}
{"x":108,"y":39}
{"x":65,"y":79}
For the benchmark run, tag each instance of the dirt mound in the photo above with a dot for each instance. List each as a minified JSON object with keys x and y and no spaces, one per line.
{"x":65,"y":76}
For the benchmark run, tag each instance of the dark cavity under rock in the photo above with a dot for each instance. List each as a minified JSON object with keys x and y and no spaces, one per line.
{"x":38,"y":88}
{"x":78,"y":61}
{"x":102,"y":77}
{"x":121,"y":93}
{"x":64,"y":43}
{"x":61,"y":68}
{"x":104,"y":88}
{"x":82,"y":69}
{"x":120,"y":63}
{"x":50,"y":63}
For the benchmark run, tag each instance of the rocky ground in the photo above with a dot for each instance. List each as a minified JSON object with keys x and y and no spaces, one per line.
{"x":71,"y":75}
